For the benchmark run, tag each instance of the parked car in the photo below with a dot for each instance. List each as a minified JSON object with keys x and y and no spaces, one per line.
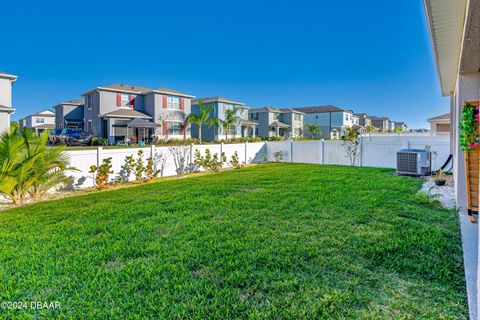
{"x":73,"y":137}
{"x":54,"y":136}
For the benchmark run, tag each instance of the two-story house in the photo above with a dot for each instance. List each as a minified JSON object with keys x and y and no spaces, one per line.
{"x":218,"y":107}
{"x":399,"y":125}
{"x":119,"y":111}
{"x":380,"y":123}
{"x":40,"y":121}
{"x":363,"y":121}
{"x":6,"y":83}
{"x":332,"y":120}
{"x":275,"y":122}
{"x":69,"y":114}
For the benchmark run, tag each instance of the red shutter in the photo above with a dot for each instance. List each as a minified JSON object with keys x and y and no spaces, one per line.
{"x":132,"y":101}
{"x":119,"y":99}
{"x":182,"y":103}
{"x":165,"y":101}
{"x":164,"y":125}
{"x":182,"y":127}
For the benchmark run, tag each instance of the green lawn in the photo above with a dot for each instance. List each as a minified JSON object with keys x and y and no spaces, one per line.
{"x":268,"y":241}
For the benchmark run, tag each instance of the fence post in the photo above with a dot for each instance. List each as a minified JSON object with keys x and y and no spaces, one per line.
{"x":152,"y":151}
{"x":221,"y":149}
{"x":361,"y":152}
{"x":246,"y":148}
{"x":291,"y":150}
{"x":266,"y":150}
{"x":191,"y":152}
{"x":99,"y":155}
{"x":323,"y":151}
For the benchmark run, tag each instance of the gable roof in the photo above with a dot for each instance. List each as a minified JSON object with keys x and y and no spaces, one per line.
{"x":445,"y":116}
{"x":172,"y":92}
{"x":48,"y":113}
{"x":8,"y":76}
{"x":6,"y":109}
{"x":277,"y":110}
{"x":120,"y":88}
{"x":127,"y":113}
{"x":322,"y":109}
{"x":74,"y":102}
{"x":218,"y":99}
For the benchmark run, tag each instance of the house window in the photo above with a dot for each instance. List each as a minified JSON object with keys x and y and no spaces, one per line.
{"x":232,"y":130}
{"x":276,"y":116}
{"x":89,"y":101}
{"x":297,"y":117}
{"x":254,"y":116}
{"x":346,"y":117}
{"x":125,"y":101}
{"x":39,"y":120}
{"x":173,"y":102}
{"x":89,"y":126}
{"x":298,"y":131}
{"x":229,"y":107}
{"x":256,"y":131}
{"x":173,"y":128}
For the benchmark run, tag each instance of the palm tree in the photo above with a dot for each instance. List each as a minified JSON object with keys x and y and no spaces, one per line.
{"x":231,"y":119}
{"x":314,"y":129}
{"x":370,"y":128}
{"x":28,"y":166}
{"x":202,"y":118}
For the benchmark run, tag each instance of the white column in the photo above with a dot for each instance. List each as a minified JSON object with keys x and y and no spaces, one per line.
{"x":99,"y":156}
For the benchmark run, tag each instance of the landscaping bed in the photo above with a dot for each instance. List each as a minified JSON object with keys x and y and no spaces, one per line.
{"x":267,"y":241}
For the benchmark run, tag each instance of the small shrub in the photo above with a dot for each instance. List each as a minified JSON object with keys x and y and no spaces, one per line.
{"x":127,"y":168}
{"x":101,"y":173}
{"x":235,"y":162}
{"x":180,"y":156}
{"x":211,"y":163}
{"x":275,"y":138}
{"x":150,"y":172}
{"x":139,"y":167}
{"x":428,"y":199}
{"x":99,"y":141}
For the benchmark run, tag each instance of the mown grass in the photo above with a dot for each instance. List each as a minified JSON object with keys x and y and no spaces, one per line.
{"x":269,"y":241}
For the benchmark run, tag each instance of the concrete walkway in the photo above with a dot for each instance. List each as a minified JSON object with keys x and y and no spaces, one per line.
{"x":470,"y":260}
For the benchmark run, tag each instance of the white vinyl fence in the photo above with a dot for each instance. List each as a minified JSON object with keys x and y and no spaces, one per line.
{"x":164,"y":158}
{"x":375,"y":151}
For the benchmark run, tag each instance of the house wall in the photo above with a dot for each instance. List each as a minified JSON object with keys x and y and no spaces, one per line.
{"x":327,"y":121}
{"x":5,"y":92}
{"x":69,"y":112}
{"x":32,"y":122}
{"x":154,"y":107}
{"x":5,"y":100}
{"x":467,"y":89}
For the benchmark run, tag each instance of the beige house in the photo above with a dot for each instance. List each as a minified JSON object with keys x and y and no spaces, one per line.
{"x":440,"y":125}
{"x":6,"y":83}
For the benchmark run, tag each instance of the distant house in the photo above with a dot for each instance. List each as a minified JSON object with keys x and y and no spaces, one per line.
{"x":69,"y":114}
{"x":332,"y":119}
{"x":440,"y":125}
{"x":400,"y":126}
{"x":243,"y":128}
{"x":40,"y":121}
{"x":380,"y":123}
{"x":123,"y":111}
{"x":6,"y":83}
{"x":275,"y":122}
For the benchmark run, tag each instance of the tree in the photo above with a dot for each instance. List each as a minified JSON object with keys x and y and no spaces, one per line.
{"x":370,"y":128}
{"x":231,"y":118}
{"x":314,"y":130}
{"x":202,"y":118}
{"x":28,"y":167}
{"x":350,"y":143}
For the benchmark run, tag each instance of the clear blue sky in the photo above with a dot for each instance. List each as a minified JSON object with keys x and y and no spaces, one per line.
{"x":370,"y":56}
